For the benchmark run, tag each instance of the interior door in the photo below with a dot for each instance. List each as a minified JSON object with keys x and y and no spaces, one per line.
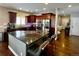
{"x":74,"y":29}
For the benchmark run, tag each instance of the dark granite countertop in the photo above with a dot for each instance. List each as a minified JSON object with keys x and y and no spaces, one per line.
{"x":28,"y":37}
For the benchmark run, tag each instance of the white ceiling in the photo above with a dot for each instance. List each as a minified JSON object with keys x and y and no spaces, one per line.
{"x":39,"y":6}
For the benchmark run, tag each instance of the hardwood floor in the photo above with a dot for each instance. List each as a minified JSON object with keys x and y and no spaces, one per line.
{"x":63,"y":46}
{"x":4,"y":51}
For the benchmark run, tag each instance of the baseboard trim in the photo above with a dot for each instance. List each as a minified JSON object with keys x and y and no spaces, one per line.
{"x":12,"y":51}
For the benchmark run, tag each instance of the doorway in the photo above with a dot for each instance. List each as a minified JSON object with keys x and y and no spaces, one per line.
{"x":64,"y":24}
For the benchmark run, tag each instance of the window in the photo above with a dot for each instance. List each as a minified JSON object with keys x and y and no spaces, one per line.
{"x":23,"y":21}
{"x":20,"y":20}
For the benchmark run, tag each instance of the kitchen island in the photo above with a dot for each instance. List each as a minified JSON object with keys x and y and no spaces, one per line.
{"x":24,"y":43}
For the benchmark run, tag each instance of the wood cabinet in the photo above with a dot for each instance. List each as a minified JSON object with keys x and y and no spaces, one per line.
{"x":31,"y":19}
{"x":12,"y":17}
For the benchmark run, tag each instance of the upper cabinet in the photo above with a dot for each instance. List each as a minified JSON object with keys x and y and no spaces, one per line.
{"x":12,"y":17}
{"x":31,"y":19}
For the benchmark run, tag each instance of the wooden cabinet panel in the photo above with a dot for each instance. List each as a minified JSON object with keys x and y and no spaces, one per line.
{"x":31,"y":19}
{"x":12,"y":17}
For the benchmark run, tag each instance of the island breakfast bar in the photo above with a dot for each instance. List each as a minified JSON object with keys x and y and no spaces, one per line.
{"x":24,"y":43}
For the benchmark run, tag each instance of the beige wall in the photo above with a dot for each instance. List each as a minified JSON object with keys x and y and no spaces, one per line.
{"x":65,"y":20}
{"x":59,"y":20}
{"x":4,"y":16}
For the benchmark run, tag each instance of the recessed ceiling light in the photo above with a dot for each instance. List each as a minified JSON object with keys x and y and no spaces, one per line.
{"x":44,"y":8}
{"x":69,"y":5}
{"x":20,"y":8}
